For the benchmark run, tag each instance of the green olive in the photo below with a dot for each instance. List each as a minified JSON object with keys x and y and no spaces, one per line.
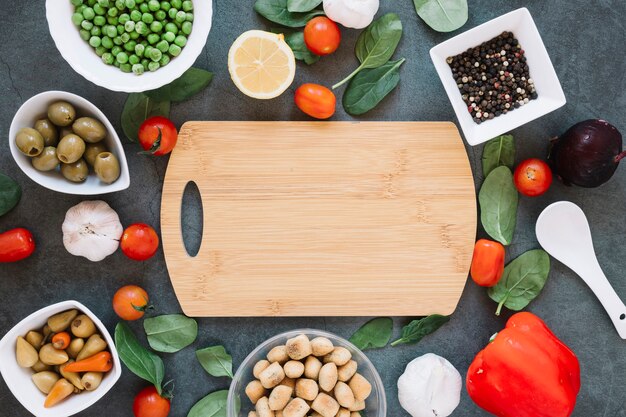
{"x":64,"y":131}
{"x":48,"y":131}
{"x":29,"y":141}
{"x":46,"y":160}
{"x":61,"y":113}
{"x":107,"y":167}
{"x":90,"y":129}
{"x":71,"y":148}
{"x":75,"y":172}
{"x":92,"y":150}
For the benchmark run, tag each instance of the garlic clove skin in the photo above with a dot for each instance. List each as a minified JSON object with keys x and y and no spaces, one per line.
{"x":92,"y":229}
{"x":430,"y":387}
{"x":355,"y":14}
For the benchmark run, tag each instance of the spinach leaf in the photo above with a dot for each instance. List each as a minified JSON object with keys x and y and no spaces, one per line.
{"x":498,"y":152}
{"x":300,"y":51}
{"x":498,"y":205}
{"x":216,"y":361}
{"x":170,"y":333}
{"x":137,"y":358}
{"x":373,"y":334}
{"x":190,"y":83}
{"x":442,"y":15}
{"x":370,"y":86}
{"x":277,"y":12}
{"x":522,"y":280}
{"x":417,"y":329}
{"x":213,"y":405}
{"x":302,"y":5}
{"x":376,"y":44}
{"x":139,"y":107}
{"x":10,"y":194}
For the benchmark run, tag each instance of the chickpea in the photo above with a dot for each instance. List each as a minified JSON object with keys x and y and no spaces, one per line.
{"x":312,"y":367}
{"x":254,"y":391}
{"x":294,"y":369}
{"x":296,"y":408}
{"x":339,"y":356}
{"x":259,"y":367}
{"x":344,"y":395}
{"x":307,"y":389}
{"x":328,"y":377}
{"x":272,"y":375}
{"x":347,"y":371}
{"x":279,"y":397}
{"x":263,"y":408}
{"x":360,"y":387}
{"x":321,"y":346}
{"x":278,"y":354}
{"x":325,"y":405}
{"x":299,"y":347}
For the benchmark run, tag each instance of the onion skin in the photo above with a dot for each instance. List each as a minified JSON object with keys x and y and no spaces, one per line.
{"x":587,"y":154}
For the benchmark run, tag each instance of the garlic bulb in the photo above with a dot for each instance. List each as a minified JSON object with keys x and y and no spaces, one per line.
{"x":429,"y":387}
{"x":92,"y":229}
{"x":355,"y":14}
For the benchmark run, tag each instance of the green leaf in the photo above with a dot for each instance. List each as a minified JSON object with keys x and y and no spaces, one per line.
{"x":139,"y":107}
{"x":170,"y":333}
{"x":302,"y":5}
{"x":277,"y":12}
{"x":373,"y":334}
{"x":417,"y":329}
{"x":442,"y":15}
{"x":498,"y":205}
{"x":216,"y":361}
{"x":138,"y":359}
{"x":370,"y":86}
{"x":301,"y":52}
{"x":213,"y":405}
{"x":10,"y":194}
{"x":190,"y":83}
{"x":522,"y":280}
{"x":499,"y":151}
{"x":376,"y":44}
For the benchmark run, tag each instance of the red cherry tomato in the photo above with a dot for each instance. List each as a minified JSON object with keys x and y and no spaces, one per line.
{"x":130,"y":302}
{"x":148,"y":403}
{"x":16,"y":244}
{"x":139,"y":242}
{"x":322,"y":35}
{"x":532,"y":177}
{"x":316,"y":100}
{"x":158,"y":135}
{"x":487,"y":263}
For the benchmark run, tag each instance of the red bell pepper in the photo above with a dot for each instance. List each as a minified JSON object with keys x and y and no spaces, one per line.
{"x":16,"y":245}
{"x":526,"y":371}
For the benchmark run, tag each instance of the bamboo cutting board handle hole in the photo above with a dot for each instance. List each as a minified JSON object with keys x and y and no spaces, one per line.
{"x":191,"y":218}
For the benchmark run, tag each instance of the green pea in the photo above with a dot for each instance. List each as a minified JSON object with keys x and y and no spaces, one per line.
{"x":124,"y":17}
{"x":187,"y":6}
{"x":119,"y":4}
{"x":86,"y":24}
{"x":107,"y":58}
{"x":126,"y":67}
{"x":145,"y":62}
{"x":180,"y":16}
{"x":163,"y":46}
{"x":172,"y":13}
{"x":91,"y":2}
{"x":169,"y":37}
{"x":155,"y":54}
{"x":135,"y":16}
{"x":153,"y":38}
{"x":139,"y":48}
{"x":164,"y":60}
{"x":95,"y":31}
{"x":112,"y":12}
{"x":111,"y":31}
{"x":189,"y":17}
{"x":122,"y":57}
{"x":138,"y":69}
{"x":156,"y":26}
{"x":77,"y":18}
{"x":95,"y":41}
{"x":112,"y":20}
{"x":99,"y":21}
{"x":130,"y":46}
{"x":116,"y":64}
{"x":177,"y":3}
{"x":147,"y":18}
{"x":129,"y":26}
{"x":84,"y":34}
{"x":180,"y":41}
{"x":154,"y":5}
{"x":116,"y":50}
{"x":120,"y":29}
{"x":133,"y":59}
{"x":174,"y":50}
{"x":186,"y":28}
{"x":99,"y":10}
{"x":134,"y":35}
{"x":170,"y":27}
{"x":141,"y":28}
{"x":107,"y":42}
{"x":76,"y":2}
{"x":125,"y":37}
{"x":88,"y":13}
{"x":153,"y":66}
{"x":130,"y":4}
{"x":165,"y":6}
{"x":143,"y":8}
{"x":160,"y":15}
{"x":80,"y":8}
{"x":100,"y":50}
{"x":104,"y":3}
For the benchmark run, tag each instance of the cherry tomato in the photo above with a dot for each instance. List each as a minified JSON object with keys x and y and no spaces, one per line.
{"x":16,"y":244}
{"x":532,"y":177}
{"x":139,"y":242}
{"x":316,"y":100}
{"x":158,"y":135}
{"x":148,"y":403}
{"x":322,"y":35}
{"x":487,"y":263}
{"x":130,"y":302}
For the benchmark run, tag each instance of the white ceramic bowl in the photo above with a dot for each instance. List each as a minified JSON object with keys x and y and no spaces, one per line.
{"x":83,"y":59}
{"x":36,"y":108}
{"x":551,"y":96}
{"x":19,"y":381}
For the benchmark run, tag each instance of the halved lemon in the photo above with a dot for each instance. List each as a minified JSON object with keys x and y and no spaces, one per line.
{"x":261,"y":64}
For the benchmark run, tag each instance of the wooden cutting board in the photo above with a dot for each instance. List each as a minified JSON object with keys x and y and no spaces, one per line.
{"x":321,"y":218}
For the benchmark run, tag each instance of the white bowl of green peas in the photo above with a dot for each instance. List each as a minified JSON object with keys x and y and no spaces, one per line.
{"x":130,"y":45}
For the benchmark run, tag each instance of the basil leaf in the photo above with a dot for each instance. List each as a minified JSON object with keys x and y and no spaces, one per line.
{"x":497,"y":152}
{"x":376,"y":44}
{"x":213,"y":405}
{"x":277,"y":12}
{"x":10,"y":194}
{"x":170,"y":333}
{"x":498,"y":205}
{"x":216,"y":361}
{"x":522,"y":280}
{"x":370,"y":86}
{"x":300,"y":51}
{"x":302,"y":5}
{"x":139,"y":107}
{"x":190,"y":83}
{"x":138,"y":359}
{"x":442,"y":15}
{"x":417,"y":329}
{"x":373,"y":334}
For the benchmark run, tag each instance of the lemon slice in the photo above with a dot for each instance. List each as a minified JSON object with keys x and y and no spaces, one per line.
{"x":261,"y":64}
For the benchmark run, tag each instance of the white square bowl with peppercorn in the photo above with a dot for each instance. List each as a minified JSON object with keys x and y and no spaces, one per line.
{"x":83,"y":59}
{"x":550,"y":95}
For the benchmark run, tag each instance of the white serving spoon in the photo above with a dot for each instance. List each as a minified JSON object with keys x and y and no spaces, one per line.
{"x":563,"y":231}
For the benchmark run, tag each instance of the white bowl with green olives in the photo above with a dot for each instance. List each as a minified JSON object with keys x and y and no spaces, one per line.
{"x":66,"y":144}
